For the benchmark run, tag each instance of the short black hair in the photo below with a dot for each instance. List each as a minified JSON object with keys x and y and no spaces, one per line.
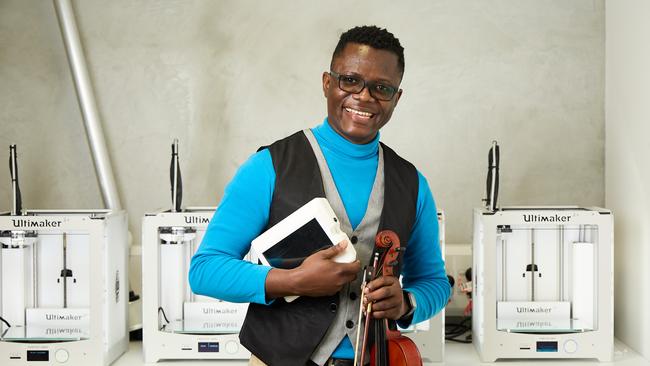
{"x":375,"y":37}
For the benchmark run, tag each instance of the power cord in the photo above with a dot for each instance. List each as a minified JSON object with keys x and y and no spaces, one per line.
{"x":160,"y":310}
{"x":455,"y":330}
{"x":4,"y":321}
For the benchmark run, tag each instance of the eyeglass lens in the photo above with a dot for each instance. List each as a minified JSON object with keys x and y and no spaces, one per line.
{"x":353,"y":84}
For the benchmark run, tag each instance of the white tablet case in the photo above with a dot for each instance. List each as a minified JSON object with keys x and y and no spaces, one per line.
{"x":309,"y":229}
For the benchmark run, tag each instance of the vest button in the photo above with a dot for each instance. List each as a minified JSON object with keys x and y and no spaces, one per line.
{"x":354,"y":239}
{"x":349,"y":324}
{"x":353,"y":296}
{"x":333,"y":307}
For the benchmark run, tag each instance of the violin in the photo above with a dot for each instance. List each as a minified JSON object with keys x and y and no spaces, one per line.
{"x":390,"y":347}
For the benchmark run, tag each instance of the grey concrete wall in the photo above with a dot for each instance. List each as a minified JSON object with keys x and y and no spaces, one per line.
{"x":228,"y":76}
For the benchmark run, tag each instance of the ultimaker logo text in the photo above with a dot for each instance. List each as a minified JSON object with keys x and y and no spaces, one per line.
{"x":526,"y":309}
{"x":62,"y":317}
{"x":35,"y":223}
{"x":63,"y":331}
{"x":547,"y":218}
{"x":197,"y":220}
{"x":218,"y":311}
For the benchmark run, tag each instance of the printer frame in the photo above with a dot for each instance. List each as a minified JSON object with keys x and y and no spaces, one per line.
{"x":492,"y":344}
{"x":430,"y":338}
{"x":164,"y":345}
{"x":108,"y":289}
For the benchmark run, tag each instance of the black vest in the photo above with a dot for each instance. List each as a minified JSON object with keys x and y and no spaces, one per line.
{"x":286,"y":334}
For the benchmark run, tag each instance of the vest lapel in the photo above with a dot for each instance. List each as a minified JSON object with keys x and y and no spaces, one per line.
{"x":365,"y":232}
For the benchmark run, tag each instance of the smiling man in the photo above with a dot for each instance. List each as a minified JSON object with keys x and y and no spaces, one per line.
{"x":362,"y":90}
{"x":369,"y":187}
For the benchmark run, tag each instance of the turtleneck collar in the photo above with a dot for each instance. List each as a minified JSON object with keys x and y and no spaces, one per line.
{"x":330,"y":139}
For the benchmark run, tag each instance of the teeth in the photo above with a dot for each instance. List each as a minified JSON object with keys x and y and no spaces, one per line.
{"x":364,"y":114}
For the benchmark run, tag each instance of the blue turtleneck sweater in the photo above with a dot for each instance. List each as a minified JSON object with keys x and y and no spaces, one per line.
{"x":217,"y":268}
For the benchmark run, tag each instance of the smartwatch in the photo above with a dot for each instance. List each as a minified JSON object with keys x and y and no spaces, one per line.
{"x":409,"y":299}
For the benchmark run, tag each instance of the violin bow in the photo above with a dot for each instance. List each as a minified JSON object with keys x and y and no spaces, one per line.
{"x":366,"y":327}
{"x":356,"y":344}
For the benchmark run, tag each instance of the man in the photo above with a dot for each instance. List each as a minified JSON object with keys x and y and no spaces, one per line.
{"x":369,"y":187}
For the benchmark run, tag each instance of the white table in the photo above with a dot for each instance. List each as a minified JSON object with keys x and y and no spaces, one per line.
{"x":455,"y":354}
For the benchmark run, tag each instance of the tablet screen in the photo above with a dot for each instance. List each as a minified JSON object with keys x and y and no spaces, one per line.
{"x":292,"y":250}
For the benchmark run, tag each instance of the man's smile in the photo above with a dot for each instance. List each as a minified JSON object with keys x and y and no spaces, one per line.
{"x":359,"y":113}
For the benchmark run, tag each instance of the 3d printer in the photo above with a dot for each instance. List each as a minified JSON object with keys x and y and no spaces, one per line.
{"x":543,"y":279}
{"x":178,"y":324}
{"x":63,"y":297}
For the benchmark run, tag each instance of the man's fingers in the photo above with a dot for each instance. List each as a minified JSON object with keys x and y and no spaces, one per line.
{"x":334,"y":250}
{"x":349,"y":270}
{"x":385,"y":309}
{"x":378,"y":295}
{"x":380,"y":282}
{"x":353,"y":267}
{"x":383,"y":314}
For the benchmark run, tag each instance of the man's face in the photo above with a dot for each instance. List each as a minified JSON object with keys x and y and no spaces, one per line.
{"x":358,"y":117}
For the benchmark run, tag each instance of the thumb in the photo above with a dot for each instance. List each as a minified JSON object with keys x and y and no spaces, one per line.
{"x":334,"y":250}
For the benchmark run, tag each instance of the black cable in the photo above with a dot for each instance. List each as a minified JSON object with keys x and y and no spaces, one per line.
{"x":457,"y":326}
{"x":455,"y":330}
{"x":454,"y":338}
{"x":462,"y":322}
{"x":459,"y":340}
{"x":6,"y":322}
{"x":160,"y":309}
{"x":456,"y":334}
{"x":14,"y":178}
{"x":178,"y":189}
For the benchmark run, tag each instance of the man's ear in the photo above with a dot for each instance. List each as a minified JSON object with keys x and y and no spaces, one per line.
{"x":326,"y":83}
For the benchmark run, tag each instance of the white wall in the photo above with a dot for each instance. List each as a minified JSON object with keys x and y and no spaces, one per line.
{"x":628,"y":165}
{"x":229,"y":76}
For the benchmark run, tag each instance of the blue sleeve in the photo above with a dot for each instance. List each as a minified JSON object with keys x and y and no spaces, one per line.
{"x":217,"y":268}
{"x":423,"y":267}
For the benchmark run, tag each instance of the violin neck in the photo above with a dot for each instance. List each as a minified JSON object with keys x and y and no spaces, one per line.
{"x":390,"y":333}
{"x":381,"y":342}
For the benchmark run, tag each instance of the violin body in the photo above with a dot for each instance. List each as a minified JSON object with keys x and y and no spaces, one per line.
{"x":402,"y":351}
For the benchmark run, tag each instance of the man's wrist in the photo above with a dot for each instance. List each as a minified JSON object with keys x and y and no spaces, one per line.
{"x":409,"y":304}
{"x":280,"y":282}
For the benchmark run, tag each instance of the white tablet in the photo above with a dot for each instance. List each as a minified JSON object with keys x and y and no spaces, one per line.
{"x":309,"y":229}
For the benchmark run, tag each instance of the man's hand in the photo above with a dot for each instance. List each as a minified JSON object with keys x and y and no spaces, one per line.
{"x":385,"y":294}
{"x":318,"y":275}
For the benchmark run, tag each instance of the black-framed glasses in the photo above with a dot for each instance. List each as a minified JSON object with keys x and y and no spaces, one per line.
{"x":354,"y":84}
